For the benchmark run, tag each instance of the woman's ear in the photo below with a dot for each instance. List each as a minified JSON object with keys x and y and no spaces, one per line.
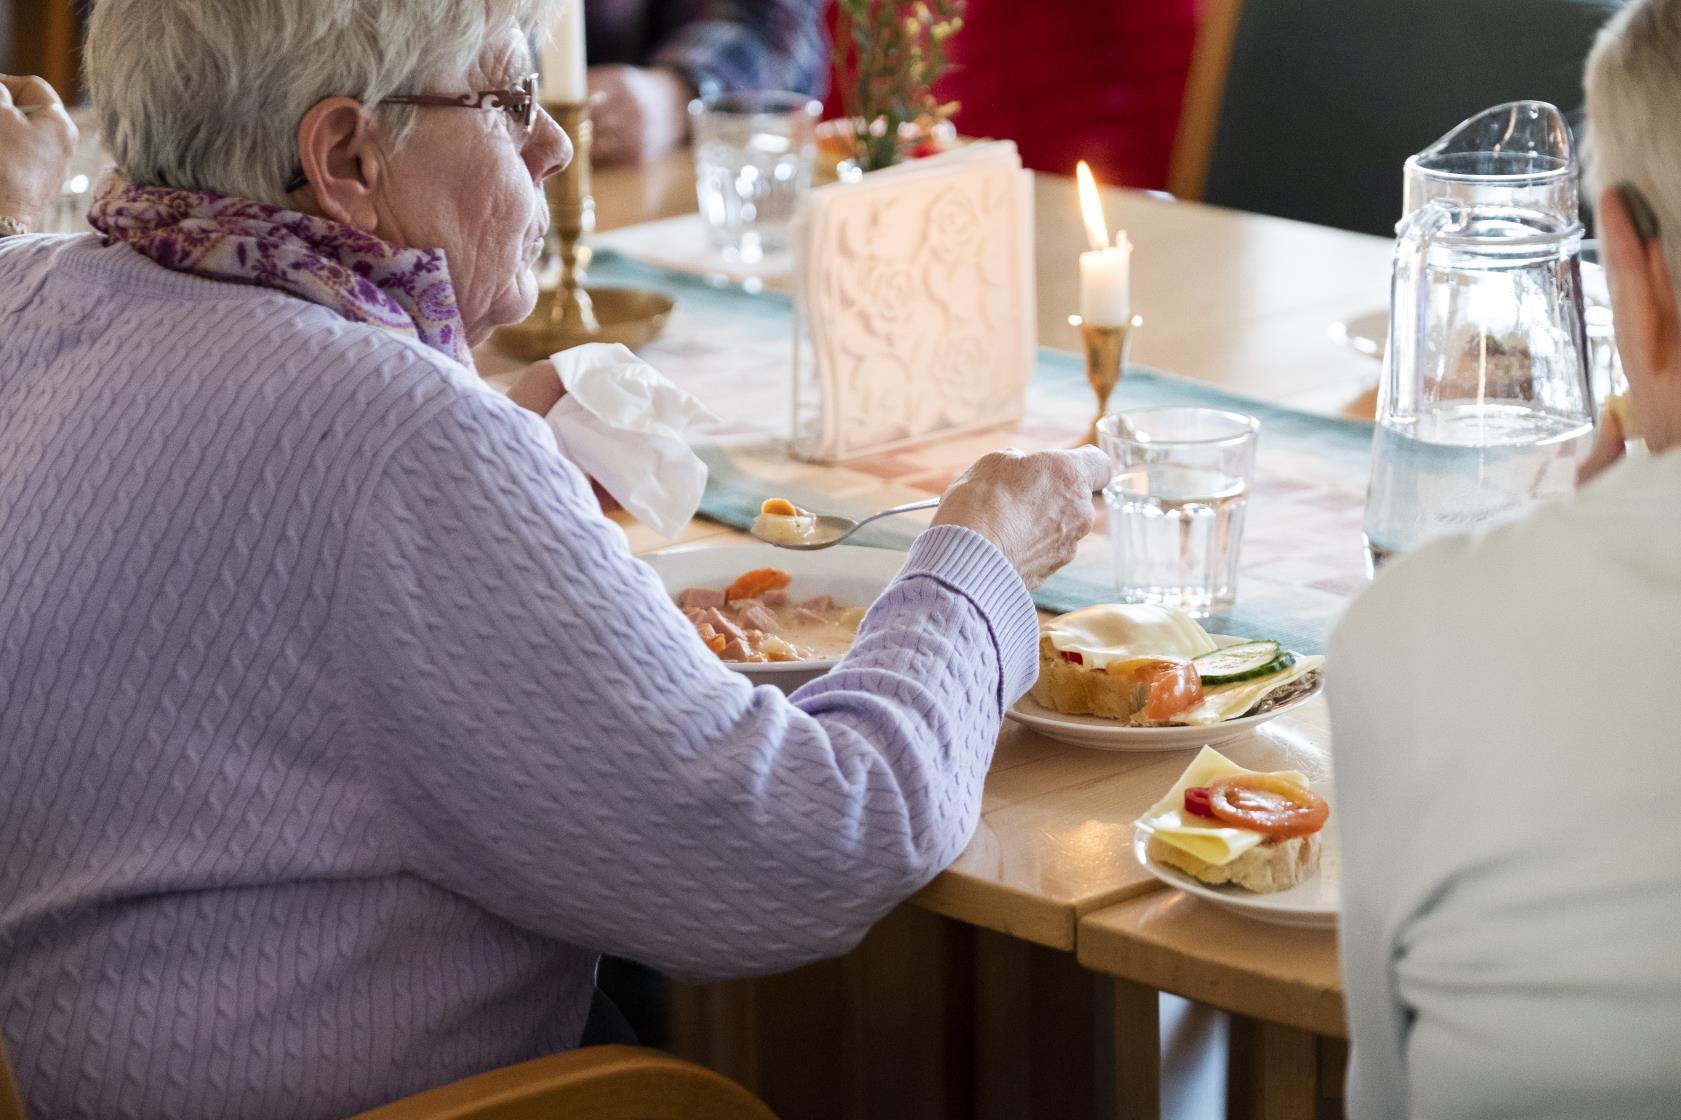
{"x":339,"y":151}
{"x":1643,"y":296}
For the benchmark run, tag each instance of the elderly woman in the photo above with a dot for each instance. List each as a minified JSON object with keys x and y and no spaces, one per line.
{"x":338,"y":730}
{"x":1505,"y":724}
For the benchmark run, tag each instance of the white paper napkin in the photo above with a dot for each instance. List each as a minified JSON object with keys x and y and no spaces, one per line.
{"x":625,"y":425}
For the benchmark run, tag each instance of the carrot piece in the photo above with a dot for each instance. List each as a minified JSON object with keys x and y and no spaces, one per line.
{"x":780,"y":507}
{"x":755,"y":583}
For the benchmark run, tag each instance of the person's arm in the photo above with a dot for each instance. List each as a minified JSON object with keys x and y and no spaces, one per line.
{"x":1369,"y":731}
{"x":702,"y":47}
{"x":745,"y":44}
{"x":37,"y":139}
{"x":557,"y":744}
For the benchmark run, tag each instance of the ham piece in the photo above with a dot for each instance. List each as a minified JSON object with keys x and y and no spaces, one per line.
{"x":701,"y":598}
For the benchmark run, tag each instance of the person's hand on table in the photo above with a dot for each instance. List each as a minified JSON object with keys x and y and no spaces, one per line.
{"x":642,"y":113}
{"x":37,"y":139}
{"x":1035,"y":507}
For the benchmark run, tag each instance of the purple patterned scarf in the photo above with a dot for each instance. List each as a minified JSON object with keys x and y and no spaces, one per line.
{"x":326,"y":262}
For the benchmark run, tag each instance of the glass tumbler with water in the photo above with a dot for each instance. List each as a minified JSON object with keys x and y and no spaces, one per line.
{"x":754,"y":153}
{"x":1485,"y":404}
{"x":1176,"y":503}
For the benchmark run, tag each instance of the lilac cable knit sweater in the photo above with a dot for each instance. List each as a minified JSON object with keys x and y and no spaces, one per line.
{"x":339,"y":731}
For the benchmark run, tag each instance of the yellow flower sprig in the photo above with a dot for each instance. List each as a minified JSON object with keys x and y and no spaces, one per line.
{"x":889,"y":54}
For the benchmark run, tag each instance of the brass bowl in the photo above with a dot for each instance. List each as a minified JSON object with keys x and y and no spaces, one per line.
{"x":632,"y":316}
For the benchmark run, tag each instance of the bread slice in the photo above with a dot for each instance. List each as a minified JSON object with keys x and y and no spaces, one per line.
{"x":1075,"y":690}
{"x":1274,"y":865}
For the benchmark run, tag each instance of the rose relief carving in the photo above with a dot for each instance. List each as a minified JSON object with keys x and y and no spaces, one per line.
{"x":916,"y":291}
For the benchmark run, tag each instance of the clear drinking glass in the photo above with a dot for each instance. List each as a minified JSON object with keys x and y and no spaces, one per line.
{"x":1176,"y":503}
{"x":754,"y":152}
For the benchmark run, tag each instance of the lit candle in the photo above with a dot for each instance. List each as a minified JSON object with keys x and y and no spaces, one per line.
{"x":562,"y":58}
{"x":1106,"y":271}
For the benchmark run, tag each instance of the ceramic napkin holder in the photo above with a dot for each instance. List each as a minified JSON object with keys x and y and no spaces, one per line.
{"x":915,"y":312}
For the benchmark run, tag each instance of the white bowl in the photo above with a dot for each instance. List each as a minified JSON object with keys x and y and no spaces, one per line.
{"x":854,"y":577}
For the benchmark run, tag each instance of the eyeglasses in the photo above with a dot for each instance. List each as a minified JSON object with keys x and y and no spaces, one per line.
{"x":520,"y":103}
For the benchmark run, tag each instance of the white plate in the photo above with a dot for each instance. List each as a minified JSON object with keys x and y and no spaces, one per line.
{"x":1310,"y":905}
{"x":1108,"y":735}
{"x":1368,"y":333}
{"x":855,"y":577}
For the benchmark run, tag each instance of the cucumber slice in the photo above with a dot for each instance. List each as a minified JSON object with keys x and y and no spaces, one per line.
{"x":1242,"y":662}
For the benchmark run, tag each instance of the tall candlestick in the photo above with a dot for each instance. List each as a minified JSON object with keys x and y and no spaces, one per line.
{"x":562,"y":60}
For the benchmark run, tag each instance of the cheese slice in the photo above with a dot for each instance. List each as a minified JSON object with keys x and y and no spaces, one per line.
{"x":1115,"y":634}
{"x":1206,"y":839}
{"x":1228,"y":701}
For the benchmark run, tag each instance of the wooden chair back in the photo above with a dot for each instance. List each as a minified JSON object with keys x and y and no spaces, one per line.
{"x":601,"y":1082}
{"x":1205,"y":87}
{"x":1308,"y":109}
{"x":11,"y":1103}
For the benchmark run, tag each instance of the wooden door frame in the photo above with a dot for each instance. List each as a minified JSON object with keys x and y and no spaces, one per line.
{"x":47,"y":40}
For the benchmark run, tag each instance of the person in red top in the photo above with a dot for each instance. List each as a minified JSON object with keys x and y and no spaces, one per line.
{"x":1098,"y":80}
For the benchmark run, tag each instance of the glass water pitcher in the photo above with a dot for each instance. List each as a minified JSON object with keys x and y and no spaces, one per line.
{"x":1485,"y":404}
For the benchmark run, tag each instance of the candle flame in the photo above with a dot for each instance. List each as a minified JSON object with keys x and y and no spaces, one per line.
{"x":1091,"y":208}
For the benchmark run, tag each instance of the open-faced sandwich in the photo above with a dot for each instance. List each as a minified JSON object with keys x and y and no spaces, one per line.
{"x":1149,"y":666}
{"x":1221,"y":823}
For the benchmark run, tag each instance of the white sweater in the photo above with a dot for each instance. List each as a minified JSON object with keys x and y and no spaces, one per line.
{"x":1507,"y":711}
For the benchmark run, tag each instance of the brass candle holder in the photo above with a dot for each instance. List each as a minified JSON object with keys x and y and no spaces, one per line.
{"x":570,"y":313}
{"x":1106,"y":354}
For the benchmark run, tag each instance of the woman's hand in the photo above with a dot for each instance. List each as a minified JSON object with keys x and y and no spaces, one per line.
{"x":37,"y":139}
{"x":1036,"y":508}
{"x":539,"y":389}
{"x":644,"y":112}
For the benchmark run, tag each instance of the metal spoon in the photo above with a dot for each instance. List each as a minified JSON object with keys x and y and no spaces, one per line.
{"x":831,"y":529}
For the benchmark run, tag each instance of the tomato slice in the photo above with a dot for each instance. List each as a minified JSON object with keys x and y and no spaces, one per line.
{"x":1196,"y":802}
{"x":1268,"y":803}
{"x":1173,"y":687}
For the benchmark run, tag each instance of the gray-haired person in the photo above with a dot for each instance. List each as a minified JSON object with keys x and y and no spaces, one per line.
{"x":1505,"y":727}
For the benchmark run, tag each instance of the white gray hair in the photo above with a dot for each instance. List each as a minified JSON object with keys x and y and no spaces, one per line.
{"x":207,"y":94}
{"x":1633,"y":84}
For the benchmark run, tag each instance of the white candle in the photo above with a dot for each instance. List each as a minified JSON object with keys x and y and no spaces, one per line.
{"x":1106,"y":284}
{"x":1106,"y":271}
{"x":562,"y":60}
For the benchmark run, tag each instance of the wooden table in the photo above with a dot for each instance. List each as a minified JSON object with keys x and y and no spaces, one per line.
{"x":1055,"y":838}
{"x":1281,"y":985}
{"x":1239,"y":300}
{"x":985,"y":957}
{"x":1243,"y":301}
